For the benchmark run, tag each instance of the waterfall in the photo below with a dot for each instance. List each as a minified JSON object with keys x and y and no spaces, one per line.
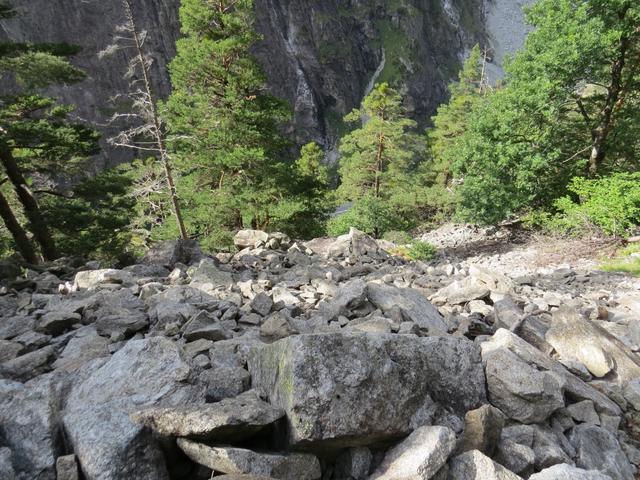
{"x":376,"y":75}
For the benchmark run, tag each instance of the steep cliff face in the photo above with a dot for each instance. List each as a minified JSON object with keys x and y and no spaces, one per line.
{"x":322,"y":56}
{"x":91,"y":24}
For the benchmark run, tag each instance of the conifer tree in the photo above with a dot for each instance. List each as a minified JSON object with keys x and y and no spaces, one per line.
{"x":223,"y":125}
{"x":35,"y":133}
{"x":377,"y":159}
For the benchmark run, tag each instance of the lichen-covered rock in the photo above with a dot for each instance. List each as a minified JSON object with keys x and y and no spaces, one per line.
{"x":351,"y":389}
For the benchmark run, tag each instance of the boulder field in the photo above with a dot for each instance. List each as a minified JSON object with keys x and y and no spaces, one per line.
{"x":330,"y":359}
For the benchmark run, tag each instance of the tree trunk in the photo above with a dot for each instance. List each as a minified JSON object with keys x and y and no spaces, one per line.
{"x":157,"y":124}
{"x":37,"y":222}
{"x":601,"y":132}
{"x":379,"y":166}
{"x":17,"y":232}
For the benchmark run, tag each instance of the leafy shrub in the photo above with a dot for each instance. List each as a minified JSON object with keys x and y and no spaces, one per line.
{"x":418,"y":251}
{"x":398,"y":237}
{"x":610,"y":203}
{"x":422,"y":251}
{"x":372,"y":216}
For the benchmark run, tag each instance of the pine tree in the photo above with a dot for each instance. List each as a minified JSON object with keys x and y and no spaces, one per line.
{"x":223,"y":125}
{"x":35,"y":134}
{"x":450,"y":122}
{"x":148,"y":135}
{"x":377,"y":158}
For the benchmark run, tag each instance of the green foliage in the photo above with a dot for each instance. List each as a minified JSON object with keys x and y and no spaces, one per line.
{"x":94,"y":221}
{"x":398,"y":237}
{"x":449,"y":125}
{"x":372,"y":216}
{"x":627,"y":260}
{"x":378,"y":160}
{"x":417,"y":251}
{"x":224,"y":133}
{"x":625,"y":265}
{"x":422,"y":251}
{"x":611,"y":204}
{"x":522,"y":145}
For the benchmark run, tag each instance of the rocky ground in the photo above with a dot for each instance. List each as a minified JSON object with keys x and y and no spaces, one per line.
{"x":325,"y":360}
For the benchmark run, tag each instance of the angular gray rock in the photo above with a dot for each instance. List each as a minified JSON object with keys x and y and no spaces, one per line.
{"x":29,"y":427}
{"x":278,"y":325}
{"x":568,"y":472}
{"x":85,"y":345}
{"x":96,"y":418}
{"x":9,"y":350}
{"x":6,"y":467}
{"x":56,"y":322}
{"x":170,"y":252}
{"x":225,"y":382}
{"x":349,"y":296}
{"x":336,"y":387}
{"x":518,"y":458}
{"x":295,"y":466}
{"x":419,"y":456}
{"x":208,"y":276}
{"x":203,"y":326}
{"x":227,"y":421}
{"x":577,"y":338}
{"x":571,"y":385}
{"x":250,"y":238}
{"x":262,"y":304}
{"x":90,"y":279}
{"x":522,"y":392}
{"x":67,"y":468}
{"x":354,"y":463}
{"x":474,"y":465}
{"x":413,"y":305}
{"x":117,"y":314}
{"x":482,"y":430}
{"x":29,"y":365}
{"x":598,"y":449}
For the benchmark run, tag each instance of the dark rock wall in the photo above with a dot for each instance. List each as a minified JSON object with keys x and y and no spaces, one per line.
{"x":322,"y":56}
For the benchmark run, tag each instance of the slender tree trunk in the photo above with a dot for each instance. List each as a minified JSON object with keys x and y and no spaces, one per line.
{"x":379,"y":154}
{"x":157,"y":124}
{"x":17,"y":232}
{"x":601,"y":131}
{"x":38,"y":224}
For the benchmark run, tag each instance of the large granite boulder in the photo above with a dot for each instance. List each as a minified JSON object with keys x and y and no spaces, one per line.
{"x":353,"y":389}
{"x":108,"y":444}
